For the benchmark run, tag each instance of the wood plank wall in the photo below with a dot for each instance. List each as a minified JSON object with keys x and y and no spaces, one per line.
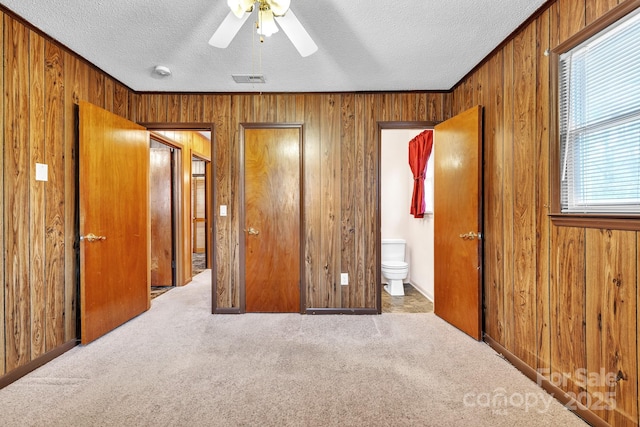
{"x":561,"y":299}
{"x":340,"y":176}
{"x":41,"y":84}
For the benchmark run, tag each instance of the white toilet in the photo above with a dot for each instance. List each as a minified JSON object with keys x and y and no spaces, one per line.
{"x":394,"y":268}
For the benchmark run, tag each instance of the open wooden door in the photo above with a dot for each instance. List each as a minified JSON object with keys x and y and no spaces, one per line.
{"x":458,"y":221}
{"x":114,"y":221}
{"x":161,"y":214}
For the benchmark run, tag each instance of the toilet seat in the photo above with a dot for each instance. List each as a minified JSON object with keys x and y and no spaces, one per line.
{"x":394,"y":265}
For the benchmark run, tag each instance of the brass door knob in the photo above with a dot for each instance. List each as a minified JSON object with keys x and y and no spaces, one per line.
{"x":92,"y":237}
{"x":470,"y":236}
{"x":252,"y":231}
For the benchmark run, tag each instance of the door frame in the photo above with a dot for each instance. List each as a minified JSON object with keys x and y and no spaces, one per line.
{"x":242,"y":213}
{"x":394,"y":125}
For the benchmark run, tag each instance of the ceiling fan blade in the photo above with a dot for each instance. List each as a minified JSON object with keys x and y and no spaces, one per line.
{"x":227,"y":30}
{"x":296,"y":33}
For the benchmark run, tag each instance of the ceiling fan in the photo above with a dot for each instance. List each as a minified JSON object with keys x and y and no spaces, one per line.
{"x":269,"y":12}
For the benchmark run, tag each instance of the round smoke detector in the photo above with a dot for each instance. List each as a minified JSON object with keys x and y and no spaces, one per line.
{"x":162,"y":71}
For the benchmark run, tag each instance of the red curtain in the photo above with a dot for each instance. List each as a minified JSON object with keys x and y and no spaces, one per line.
{"x":419,"y":152}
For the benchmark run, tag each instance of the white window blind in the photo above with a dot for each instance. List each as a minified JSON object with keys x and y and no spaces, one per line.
{"x":599,"y":97}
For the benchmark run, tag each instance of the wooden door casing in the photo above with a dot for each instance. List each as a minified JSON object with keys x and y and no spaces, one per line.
{"x":457,"y":213}
{"x":114,"y":203}
{"x":272,"y":197}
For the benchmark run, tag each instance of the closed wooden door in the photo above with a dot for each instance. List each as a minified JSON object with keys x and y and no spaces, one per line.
{"x":114,"y":221}
{"x":161,"y":211}
{"x":458,"y":221}
{"x":272,"y":219}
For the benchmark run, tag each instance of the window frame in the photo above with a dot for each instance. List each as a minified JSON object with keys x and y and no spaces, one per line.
{"x":623,"y":221}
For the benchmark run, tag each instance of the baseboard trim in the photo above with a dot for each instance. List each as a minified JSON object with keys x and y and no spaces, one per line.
{"x":341,"y":311}
{"x":226,"y":311}
{"x":559,"y":394}
{"x":23,"y":370}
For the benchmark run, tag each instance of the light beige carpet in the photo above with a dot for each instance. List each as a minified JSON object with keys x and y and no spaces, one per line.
{"x":179,"y":365}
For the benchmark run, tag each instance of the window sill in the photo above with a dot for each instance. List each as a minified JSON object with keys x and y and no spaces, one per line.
{"x":609,"y":222}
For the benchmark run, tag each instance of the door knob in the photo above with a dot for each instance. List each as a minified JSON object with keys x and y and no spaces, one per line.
{"x":470,"y":236}
{"x":252,"y":231}
{"x":92,"y":237}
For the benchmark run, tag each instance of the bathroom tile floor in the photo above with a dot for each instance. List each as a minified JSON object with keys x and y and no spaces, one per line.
{"x":412,"y":302}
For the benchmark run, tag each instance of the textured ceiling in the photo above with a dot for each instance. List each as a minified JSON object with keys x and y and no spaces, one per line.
{"x":363,"y":45}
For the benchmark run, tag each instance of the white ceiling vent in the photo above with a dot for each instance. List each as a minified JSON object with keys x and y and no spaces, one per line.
{"x":248,"y":78}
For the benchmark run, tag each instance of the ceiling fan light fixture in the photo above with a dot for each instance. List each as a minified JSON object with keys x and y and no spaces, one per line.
{"x":266,"y":23}
{"x":279,"y":7}
{"x":240,"y":7}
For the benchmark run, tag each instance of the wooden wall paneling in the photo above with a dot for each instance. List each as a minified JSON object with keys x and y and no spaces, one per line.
{"x":469,"y":95}
{"x":312,"y":203}
{"x":223,"y":251}
{"x":184,"y":108}
{"x":120,"y":100}
{"x":524,"y":206}
{"x":611,"y":328}
{"x":434,"y":107}
{"x":207,"y":109}
{"x":330,"y":199}
{"x":16,"y":195}
{"x":596,"y":8}
{"x":3,"y":358}
{"x":281,"y":112}
{"x":141,"y":108}
{"x":243,"y":114}
{"x":96,"y":94}
{"x":370,"y":200}
{"x":196,"y":108}
{"x":109,"y":92}
{"x":76,"y":82}
{"x":409,"y":106}
{"x":59,"y":296}
{"x":37,"y":195}
{"x":155,"y":111}
{"x":173,"y":108}
{"x":187,"y":222}
{"x":133,"y":107}
{"x":508,"y":197}
{"x":447,"y":108}
{"x":347,"y":192}
{"x":494,"y":212}
{"x":543,"y":201}
{"x":357,"y":282}
{"x":568,"y":347}
{"x":482,"y":85}
{"x":422,"y":106}
{"x":571,"y":15}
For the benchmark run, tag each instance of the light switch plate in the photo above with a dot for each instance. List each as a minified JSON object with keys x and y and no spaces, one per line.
{"x":223,"y":210}
{"x":42,"y":172}
{"x":344,"y":279}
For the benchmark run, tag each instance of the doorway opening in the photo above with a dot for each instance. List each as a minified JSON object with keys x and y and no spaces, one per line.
{"x":192,"y":144}
{"x":398,"y":227}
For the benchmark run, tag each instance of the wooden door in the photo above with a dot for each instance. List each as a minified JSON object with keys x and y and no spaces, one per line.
{"x":161,"y":212}
{"x":114,"y":207}
{"x":458,"y":221}
{"x":272,"y":219}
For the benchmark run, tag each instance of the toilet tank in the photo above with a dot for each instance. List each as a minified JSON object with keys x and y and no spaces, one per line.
{"x":393,"y":249}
